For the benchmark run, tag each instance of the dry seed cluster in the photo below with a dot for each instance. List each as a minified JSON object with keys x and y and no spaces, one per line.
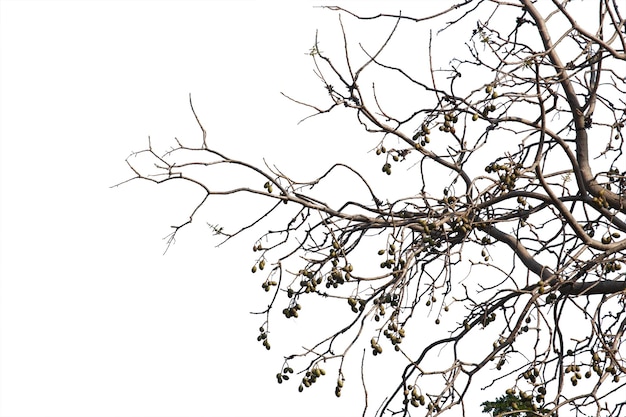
{"x":262,"y":337}
{"x":395,"y":335}
{"x":508,"y":174}
{"x":311,"y":377}
{"x":292,"y":311}
{"x":284,"y":375}
{"x":417,"y":399}
{"x":354,"y":302}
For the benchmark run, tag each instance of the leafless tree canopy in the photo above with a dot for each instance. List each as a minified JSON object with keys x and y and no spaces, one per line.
{"x":510,"y":235}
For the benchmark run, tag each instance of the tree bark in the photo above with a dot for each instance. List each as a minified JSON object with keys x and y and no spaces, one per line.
{"x":596,"y":287}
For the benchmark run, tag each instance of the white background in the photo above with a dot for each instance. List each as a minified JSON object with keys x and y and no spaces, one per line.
{"x":94,"y":320}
